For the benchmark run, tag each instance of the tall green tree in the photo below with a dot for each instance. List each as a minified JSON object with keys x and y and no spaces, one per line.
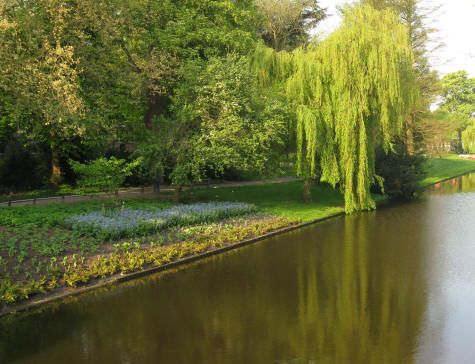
{"x":39,"y":73}
{"x":458,"y":93}
{"x":220,"y":120}
{"x":287,"y":23}
{"x":350,"y":93}
{"x":161,"y":49}
{"x":418,"y":18}
{"x":458,"y":99}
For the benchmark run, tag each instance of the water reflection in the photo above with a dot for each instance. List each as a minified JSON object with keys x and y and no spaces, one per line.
{"x":463,"y":184}
{"x":392,"y":286}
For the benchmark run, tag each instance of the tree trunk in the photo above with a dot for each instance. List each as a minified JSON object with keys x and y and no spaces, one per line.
{"x":55,"y":177}
{"x":156,"y":106}
{"x":410,"y":141}
{"x":156,"y":181}
{"x":178,"y":194}
{"x":307,"y":193}
{"x":459,"y":148}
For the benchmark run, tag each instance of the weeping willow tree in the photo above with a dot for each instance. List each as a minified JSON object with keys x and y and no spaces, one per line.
{"x":468,"y":139}
{"x":350,"y":92}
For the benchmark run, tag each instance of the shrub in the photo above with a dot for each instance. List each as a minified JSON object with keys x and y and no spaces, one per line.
{"x":400,"y":170}
{"x":104,"y":174}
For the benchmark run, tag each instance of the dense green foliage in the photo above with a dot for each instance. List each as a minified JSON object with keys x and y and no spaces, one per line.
{"x":104,"y":71}
{"x":190,"y":87}
{"x":458,"y":93}
{"x":104,"y":174}
{"x":459,"y":101}
{"x":400,"y":170}
{"x":350,"y":92}
{"x":226,"y":123}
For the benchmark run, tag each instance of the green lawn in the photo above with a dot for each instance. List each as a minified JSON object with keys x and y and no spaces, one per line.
{"x":451,"y":165}
{"x":285,"y":199}
{"x":282,"y":199}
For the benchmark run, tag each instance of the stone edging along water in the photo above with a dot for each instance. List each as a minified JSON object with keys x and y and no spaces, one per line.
{"x":119,"y":278}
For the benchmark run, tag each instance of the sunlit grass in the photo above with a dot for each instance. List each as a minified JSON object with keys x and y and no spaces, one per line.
{"x":451,"y":165}
{"x":282,"y":199}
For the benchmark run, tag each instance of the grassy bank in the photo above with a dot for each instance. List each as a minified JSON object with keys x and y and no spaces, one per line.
{"x":40,"y":252}
{"x":283,"y":199}
{"x":451,"y":165}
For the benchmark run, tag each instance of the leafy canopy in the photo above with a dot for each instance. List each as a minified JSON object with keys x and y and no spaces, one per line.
{"x":350,"y":93}
{"x":220,"y":121}
{"x":458,"y":93}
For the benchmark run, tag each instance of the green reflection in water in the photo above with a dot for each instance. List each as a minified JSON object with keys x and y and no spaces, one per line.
{"x":456,"y":185}
{"x":351,"y":290}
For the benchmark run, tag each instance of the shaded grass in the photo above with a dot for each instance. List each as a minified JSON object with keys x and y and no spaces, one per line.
{"x":63,"y":191}
{"x":451,"y":165}
{"x":48,"y":192}
{"x":54,"y":214}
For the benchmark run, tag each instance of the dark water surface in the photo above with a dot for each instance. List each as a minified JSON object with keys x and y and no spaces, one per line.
{"x":392,"y":286}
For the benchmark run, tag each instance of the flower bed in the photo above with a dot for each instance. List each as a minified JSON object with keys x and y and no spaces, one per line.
{"x":467,"y":156}
{"x":129,"y":222}
{"x":77,"y":269}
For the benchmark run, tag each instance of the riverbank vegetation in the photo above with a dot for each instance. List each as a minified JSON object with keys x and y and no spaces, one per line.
{"x":56,"y":247}
{"x":45,"y":248}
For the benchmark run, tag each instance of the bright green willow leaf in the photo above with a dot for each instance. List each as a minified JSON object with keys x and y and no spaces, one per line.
{"x":350,"y":93}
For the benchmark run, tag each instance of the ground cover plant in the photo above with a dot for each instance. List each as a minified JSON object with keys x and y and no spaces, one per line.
{"x":55,"y":214}
{"x":40,"y":251}
{"x":132,"y":222}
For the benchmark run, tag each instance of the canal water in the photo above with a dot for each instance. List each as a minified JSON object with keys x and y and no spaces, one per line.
{"x":392,"y":286}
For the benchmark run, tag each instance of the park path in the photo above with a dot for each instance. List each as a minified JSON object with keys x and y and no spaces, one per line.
{"x":137,"y":192}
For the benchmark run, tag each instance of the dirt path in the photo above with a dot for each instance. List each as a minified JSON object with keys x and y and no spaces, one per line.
{"x":138,"y":192}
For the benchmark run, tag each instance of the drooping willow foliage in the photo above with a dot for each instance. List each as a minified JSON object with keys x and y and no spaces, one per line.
{"x":350,"y":92}
{"x":468,"y":139}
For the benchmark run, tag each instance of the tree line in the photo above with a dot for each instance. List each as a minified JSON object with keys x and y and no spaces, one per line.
{"x":211,"y":87}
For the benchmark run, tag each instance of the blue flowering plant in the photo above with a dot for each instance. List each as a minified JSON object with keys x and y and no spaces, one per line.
{"x":126,"y":223}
